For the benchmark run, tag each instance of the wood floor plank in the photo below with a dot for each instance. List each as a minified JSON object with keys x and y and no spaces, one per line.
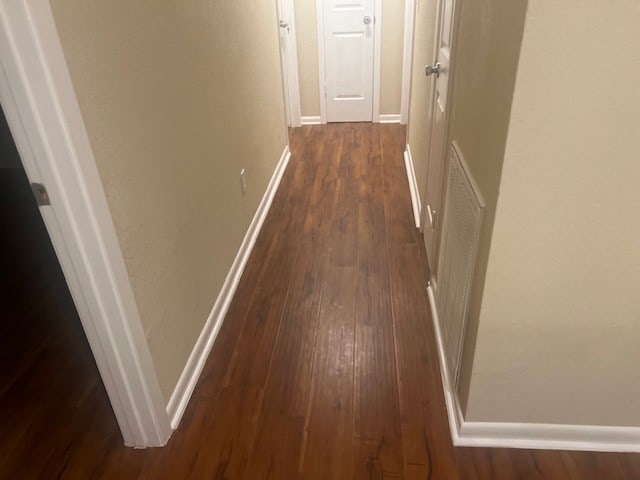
{"x":223,"y":449}
{"x":377,"y":409}
{"x":422,"y":399}
{"x":328,"y":436}
{"x":287,"y":387}
{"x":276,"y":453}
{"x":287,"y":391}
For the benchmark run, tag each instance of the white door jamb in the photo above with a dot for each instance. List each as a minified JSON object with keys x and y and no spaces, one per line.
{"x":290,"y":76}
{"x":377,"y":56}
{"x":45,"y":120}
{"x":407,"y":61}
{"x":322,"y":76}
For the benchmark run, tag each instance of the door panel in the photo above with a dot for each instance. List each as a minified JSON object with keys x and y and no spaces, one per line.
{"x":349,"y":42}
{"x":438,"y":131}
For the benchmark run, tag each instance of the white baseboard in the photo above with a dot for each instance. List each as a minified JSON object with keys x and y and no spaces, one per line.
{"x":595,"y":438}
{"x":315,"y":120}
{"x":450,"y":398}
{"x":413,"y":187}
{"x":192,"y":370}
{"x":393,"y":118}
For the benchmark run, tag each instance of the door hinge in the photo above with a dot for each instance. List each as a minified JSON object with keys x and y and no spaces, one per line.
{"x":40,"y":193}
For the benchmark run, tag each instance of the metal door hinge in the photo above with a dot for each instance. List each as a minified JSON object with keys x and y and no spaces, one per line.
{"x":40,"y":192}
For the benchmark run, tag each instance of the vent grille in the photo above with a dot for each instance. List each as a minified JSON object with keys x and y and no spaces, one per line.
{"x":461,"y":223}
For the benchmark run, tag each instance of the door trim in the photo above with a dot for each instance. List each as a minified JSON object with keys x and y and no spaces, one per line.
{"x":377,"y":51}
{"x":377,"y":59}
{"x":46,"y":122}
{"x":322,"y":75}
{"x":290,"y":76}
{"x":407,"y":61}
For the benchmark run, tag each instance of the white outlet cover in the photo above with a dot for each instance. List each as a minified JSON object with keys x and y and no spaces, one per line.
{"x":243,"y":180}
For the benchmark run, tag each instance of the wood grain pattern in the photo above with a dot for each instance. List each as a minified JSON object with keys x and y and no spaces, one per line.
{"x":325,"y":367}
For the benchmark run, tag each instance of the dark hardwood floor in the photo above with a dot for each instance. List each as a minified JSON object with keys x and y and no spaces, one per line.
{"x":51,"y":395}
{"x":325,"y":367}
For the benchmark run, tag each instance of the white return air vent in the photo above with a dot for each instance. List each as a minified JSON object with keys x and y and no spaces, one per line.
{"x":461,"y":222}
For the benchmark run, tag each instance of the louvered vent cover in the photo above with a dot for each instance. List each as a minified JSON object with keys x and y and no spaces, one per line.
{"x":461,"y":224}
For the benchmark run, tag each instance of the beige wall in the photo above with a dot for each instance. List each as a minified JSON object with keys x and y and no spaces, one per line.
{"x":421,"y":90}
{"x":560,"y":322}
{"x":486,"y":60}
{"x":307,"y":43}
{"x":391,"y":56}
{"x":169,"y":96}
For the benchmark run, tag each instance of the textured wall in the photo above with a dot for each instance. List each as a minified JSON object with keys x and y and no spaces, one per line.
{"x":169,"y":96}
{"x":486,"y":61}
{"x":560,"y":323}
{"x":307,"y":42}
{"x":391,"y":53}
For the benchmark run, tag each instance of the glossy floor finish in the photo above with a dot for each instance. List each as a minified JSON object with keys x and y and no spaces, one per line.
{"x":325,"y":367}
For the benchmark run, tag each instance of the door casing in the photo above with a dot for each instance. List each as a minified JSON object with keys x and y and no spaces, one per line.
{"x":289,"y":60}
{"x":45,"y":121}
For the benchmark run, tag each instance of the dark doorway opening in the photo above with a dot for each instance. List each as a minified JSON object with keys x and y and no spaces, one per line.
{"x":51,"y":393}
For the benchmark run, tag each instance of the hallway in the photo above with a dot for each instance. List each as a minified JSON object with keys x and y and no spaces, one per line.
{"x":326,"y":367}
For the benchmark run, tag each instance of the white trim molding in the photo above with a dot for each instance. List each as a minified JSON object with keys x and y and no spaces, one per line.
{"x":413,"y":187}
{"x":45,"y":120}
{"x":314,"y":120}
{"x":377,"y":59}
{"x":407,"y":58}
{"x":550,"y":436}
{"x":322,"y":75}
{"x":198,"y":357}
{"x":390,"y":118}
{"x":289,"y":54}
{"x":464,"y":433}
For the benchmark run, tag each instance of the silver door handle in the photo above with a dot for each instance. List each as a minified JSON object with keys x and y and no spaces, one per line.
{"x":432,"y":70}
{"x":367,"y":20}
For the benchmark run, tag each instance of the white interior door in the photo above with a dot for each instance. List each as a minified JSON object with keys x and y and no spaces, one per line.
{"x":440,"y":69}
{"x":289,"y":55}
{"x":349,"y":35}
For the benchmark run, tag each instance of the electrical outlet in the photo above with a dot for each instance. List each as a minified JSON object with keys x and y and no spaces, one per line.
{"x":243,"y":180}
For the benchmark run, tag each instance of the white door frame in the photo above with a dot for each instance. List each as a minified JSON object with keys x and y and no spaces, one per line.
{"x":45,"y":120}
{"x":377,"y":48}
{"x":407,"y":59}
{"x":289,"y":58}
